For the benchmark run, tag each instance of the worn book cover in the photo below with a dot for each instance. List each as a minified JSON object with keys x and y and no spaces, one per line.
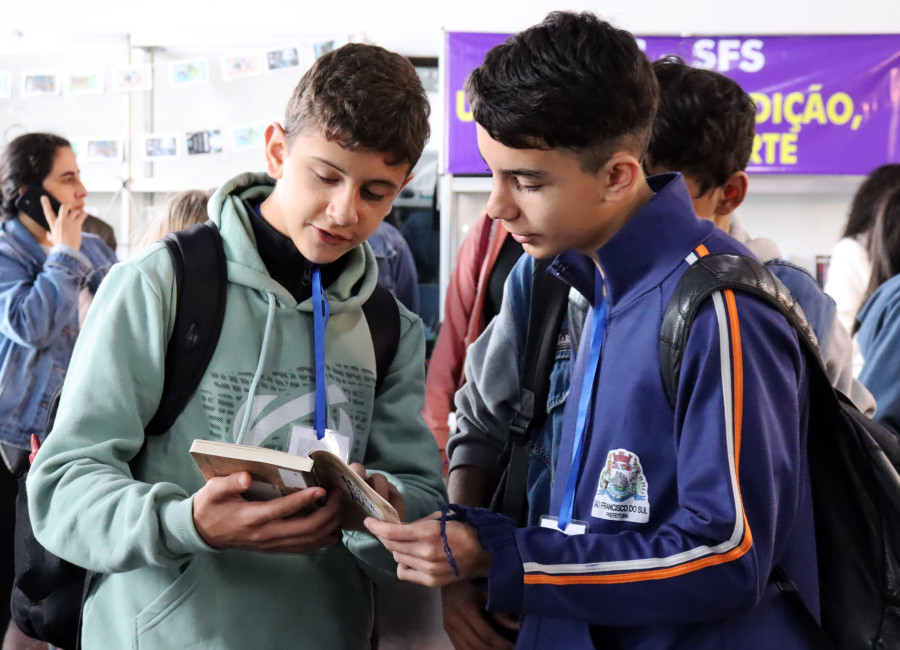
{"x":276,"y":473}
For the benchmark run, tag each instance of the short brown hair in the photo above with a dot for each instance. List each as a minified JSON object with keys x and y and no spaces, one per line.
{"x":363,"y":96}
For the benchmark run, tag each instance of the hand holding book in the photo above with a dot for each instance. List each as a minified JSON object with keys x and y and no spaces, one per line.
{"x":275,"y":474}
{"x":225,"y":519}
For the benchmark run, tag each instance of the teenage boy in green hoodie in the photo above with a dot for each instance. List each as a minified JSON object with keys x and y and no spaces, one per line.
{"x":186,"y":563}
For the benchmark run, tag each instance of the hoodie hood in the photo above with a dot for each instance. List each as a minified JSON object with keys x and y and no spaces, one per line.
{"x":228,"y":210}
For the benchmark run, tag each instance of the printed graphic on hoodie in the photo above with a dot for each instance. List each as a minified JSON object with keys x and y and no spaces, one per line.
{"x":283,"y":399}
{"x":622,"y":489}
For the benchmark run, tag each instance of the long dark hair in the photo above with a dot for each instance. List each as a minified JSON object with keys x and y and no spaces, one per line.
{"x":27,"y":160}
{"x":867,"y":197}
{"x":884,"y":240}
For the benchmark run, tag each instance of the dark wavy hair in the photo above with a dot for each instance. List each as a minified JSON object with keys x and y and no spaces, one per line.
{"x":573,"y":82}
{"x":704,"y":126}
{"x":363,"y":96}
{"x":867,"y":198}
{"x":27,"y":160}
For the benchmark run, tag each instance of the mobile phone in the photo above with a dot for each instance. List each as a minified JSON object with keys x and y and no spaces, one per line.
{"x":30,"y":203}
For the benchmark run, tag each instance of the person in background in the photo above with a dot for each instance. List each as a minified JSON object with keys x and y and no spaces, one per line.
{"x":96,"y":226}
{"x":182,"y":562}
{"x":181,"y":210}
{"x":474,"y":296}
{"x":850,"y":269}
{"x":423,"y":236}
{"x":396,"y":267}
{"x":652,"y":540}
{"x":48,"y":277}
{"x":704,"y":128}
{"x":879,"y":317}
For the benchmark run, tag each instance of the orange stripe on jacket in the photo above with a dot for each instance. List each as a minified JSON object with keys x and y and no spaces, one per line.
{"x":747,"y":543}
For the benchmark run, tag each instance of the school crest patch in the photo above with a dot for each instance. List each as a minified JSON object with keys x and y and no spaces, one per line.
{"x":622,"y":489}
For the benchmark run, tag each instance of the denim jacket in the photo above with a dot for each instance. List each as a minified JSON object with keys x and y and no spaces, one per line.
{"x":396,"y":267}
{"x":486,"y":402}
{"x":39,"y":296}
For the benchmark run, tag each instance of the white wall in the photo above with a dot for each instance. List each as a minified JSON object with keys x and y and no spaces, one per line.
{"x":413,"y":28}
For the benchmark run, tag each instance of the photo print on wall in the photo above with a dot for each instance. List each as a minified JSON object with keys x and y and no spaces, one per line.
{"x":201,"y":142}
{"x":132,"y":78}
{"x":241,"y":66}
{"x":160,"y":147}
{"x":84,"y":83}
{"x":35,"y":84}
{"x":188,"y":72}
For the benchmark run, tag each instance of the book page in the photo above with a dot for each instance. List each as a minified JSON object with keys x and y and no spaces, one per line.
{"x":365,"y":501}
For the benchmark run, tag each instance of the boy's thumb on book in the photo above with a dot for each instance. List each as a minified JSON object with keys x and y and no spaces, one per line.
{"x":241,"y":481}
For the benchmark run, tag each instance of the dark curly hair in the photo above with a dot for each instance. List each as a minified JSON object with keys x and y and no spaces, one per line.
{"x":27,"y":160}
{"x":704,"y":126}
{"x":573,"y":82}
{"x":363,"y":96}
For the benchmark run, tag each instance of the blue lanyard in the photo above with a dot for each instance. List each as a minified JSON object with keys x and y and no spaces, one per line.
{"x":321,"y":311}
{"x":584,"y":404}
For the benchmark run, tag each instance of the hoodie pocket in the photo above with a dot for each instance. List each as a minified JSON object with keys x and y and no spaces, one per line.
{"x":167,"y":621}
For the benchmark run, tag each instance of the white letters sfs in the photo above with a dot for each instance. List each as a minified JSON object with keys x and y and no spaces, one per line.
{"x":622,"y":490}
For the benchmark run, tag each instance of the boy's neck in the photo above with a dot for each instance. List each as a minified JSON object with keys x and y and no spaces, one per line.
{"x":632,"y":205}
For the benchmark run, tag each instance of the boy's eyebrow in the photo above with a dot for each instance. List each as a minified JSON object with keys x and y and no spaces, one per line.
{"x":526,"y":173}
{"x":375,"y":181}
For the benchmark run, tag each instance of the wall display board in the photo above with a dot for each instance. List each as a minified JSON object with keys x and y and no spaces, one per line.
{"x":825,"y":104}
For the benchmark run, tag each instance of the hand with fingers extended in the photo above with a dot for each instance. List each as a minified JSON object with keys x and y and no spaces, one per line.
{"x":289,"y":524}
{"x":65,"y":227}
{"x":467,"y":623}
{"x":383,"y":487}
{"x":418,"y":549}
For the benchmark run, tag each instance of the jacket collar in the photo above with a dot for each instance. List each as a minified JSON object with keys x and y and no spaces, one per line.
{"x":25,"y":239}
{"x":647,"y":248}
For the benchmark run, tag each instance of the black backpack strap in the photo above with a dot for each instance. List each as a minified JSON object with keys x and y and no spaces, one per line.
{"x":549,"y":298}
{"x":706,"y":276}
{"x":811,"y":629}
{"x":383,"y":318}
{"x":201,"y":281}
{"x":716,"y":273}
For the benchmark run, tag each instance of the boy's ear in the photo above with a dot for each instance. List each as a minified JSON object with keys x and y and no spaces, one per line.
{"x":621,"y":175}
{"x":408,"y":179}
{"x":276,"y":149}
{"x":732,"y":193}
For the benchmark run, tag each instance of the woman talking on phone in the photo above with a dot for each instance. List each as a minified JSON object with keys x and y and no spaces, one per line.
{"x":49,"y":273}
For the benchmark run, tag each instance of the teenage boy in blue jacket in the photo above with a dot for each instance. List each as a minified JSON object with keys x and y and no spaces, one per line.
{"x":673,"y":518}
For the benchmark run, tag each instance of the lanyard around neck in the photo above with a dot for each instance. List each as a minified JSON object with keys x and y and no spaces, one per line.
{"x":321,"y":312}
{"x":598,"y":325}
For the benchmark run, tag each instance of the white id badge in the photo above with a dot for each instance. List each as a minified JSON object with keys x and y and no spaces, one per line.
{"x":304,"y":440}
{"x":573,"y":528}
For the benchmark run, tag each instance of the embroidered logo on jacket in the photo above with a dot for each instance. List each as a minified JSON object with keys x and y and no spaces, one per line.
{"x":622,"y":489}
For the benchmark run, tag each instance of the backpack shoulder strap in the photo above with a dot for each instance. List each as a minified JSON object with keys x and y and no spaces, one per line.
{"x":549,"y":298}
{"x":383,"y":318}
{"x":713,"y":273}
{"x":201,"y":281}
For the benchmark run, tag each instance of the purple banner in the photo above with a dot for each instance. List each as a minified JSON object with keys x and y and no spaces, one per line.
{"x":825,"y":104}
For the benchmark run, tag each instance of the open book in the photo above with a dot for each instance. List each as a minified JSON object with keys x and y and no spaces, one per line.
{"x":276,"y":473}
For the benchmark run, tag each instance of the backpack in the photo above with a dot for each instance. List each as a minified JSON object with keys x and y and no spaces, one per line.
{"x":857,"y":518}
{"x":509,"y":489}
{"x":48,"y":592}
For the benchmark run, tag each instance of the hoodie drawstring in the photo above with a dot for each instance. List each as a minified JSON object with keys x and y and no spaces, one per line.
{"x":270,"y":319}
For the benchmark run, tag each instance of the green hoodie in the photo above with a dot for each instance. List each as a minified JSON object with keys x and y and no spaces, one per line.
{"x":100,"y":502}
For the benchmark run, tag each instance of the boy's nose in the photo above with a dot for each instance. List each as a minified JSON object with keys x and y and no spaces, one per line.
{"x":343,"y":208}
{"x":499,"y":205}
